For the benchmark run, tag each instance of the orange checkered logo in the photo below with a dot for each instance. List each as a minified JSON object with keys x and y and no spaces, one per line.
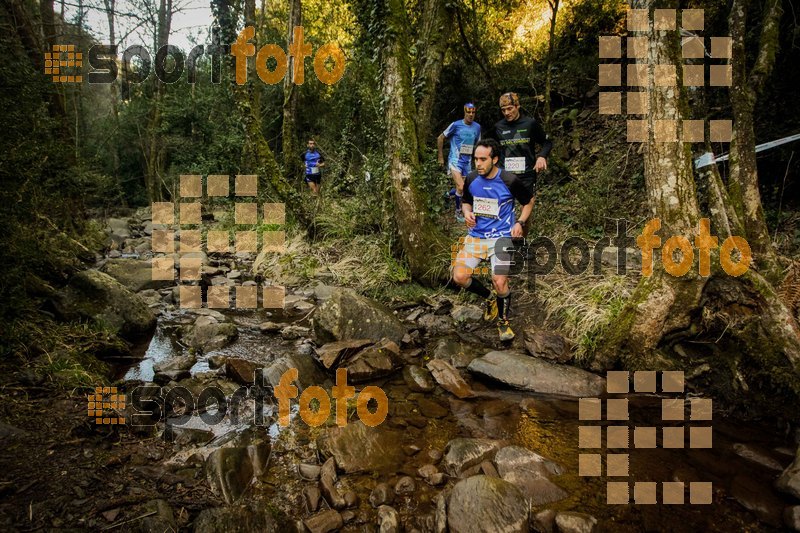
{"x":61,"y":62}
{"x":105,"y":406}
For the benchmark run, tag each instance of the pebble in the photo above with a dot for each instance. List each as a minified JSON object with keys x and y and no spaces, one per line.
{"x":405,"y":485}
{"x":382,"y":494}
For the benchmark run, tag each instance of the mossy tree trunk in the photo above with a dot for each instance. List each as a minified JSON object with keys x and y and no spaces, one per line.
{"x":424,"y":245}
{"x":666,"y":310}
{"x":743,"y":185}
{"x":433,"y":41}
{"x":257,"y":156}
{"x":291,"y":94}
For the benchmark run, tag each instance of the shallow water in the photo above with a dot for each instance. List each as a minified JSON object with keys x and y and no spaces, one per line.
{"x":547,"y":425}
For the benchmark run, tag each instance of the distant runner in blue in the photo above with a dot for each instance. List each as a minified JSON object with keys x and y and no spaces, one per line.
{"x":313,"y":161}
{"x":488,"y":207}
{"x":463,"y":135}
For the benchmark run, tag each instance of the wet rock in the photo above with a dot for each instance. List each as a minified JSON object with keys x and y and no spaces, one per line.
{"x":347,"y":315}
{"x":461,"y":454}
{"x":351,"y":499}
{"x":382,"y":494}
{"x":528,"y":373}
{"x":388,"y":520}
{"x":348,"y":516}
{"x":359,"y":448}
{"x":411,"y":449}
{"x":437,"y":479}
{"x":308,"y":373}
{"x":440,"y":502}
{"x":488,"y":469}
{"x":435,"y":456}
{"x":519,"y":459}
{"x":435,"y":324}
{"x":538,"y":491}
{"x":208,"y":334}
{"x":547,"y":345}
{"x":482,"y":503}
{"x":163,"y":520}
{"x":417,"y":421}
{"x":418,"y":379}
{"x":466,"y":313}
{"x":789,"y":481}
{"x":457,"y":353}
{"x":756,"y":455}
{"x":431,"y":409}
{"x":186,"y":436}
{"x":216,"y":360}
{"x":327,"y":482}
{"x":449,"y":378}
{"x":309,"y":472}
{"x":330,"y":354}
{"x":95,"y":296}
{"x":569,"y":522}
{"x":173,"y":369}
{"x":234,"y":519}
{"x":405,"y":485}
{"x":791,"y":517}
{"x":231,"y":470}
{"x":150,"y":296}
{"x":544,"y":521}
{"x":241,"y":370}
{"x":311,"y":496}
{"x":135,"y":274}
{"x":373,"y":362}
{"x":324,"y":522}
{"x":294,"y":332}
{"x":427,"y":471}
{"x":270,"y":327}
{"x":758,"y":499}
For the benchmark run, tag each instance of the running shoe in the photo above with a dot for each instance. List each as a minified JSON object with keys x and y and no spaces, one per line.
{"x":460,"y":217}
{"x":504,"y":328}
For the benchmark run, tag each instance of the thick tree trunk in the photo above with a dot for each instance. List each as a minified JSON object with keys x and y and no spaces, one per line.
{"x":291,"y":151}
{"x":257,"y":157}
{"x":756,"y":329}
{"x":743,"y":185}
{"x":424,"y":246}
{"x":433,"y":42}
{"x":112,"y":87}
{"x":154,"y":149}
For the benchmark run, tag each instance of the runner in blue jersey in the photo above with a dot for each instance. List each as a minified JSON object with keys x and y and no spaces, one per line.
{"x":313,"y":160}
{"x":488,"y":207}
{"x":463,"y":135}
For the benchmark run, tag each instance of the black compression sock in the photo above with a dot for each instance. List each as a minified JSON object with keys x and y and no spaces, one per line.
{"x":476,"y":287}
{"x":504,"y":306}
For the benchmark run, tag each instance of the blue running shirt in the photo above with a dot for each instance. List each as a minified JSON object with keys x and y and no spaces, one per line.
{"x":311,"y":159}
{"x":462,"y":142}
{"x":492,"y":201}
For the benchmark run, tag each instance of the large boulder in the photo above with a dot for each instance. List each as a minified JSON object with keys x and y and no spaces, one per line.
{"x":135,"y":274}
{"x":483,"y":503}
{"x":308,"y":372}
{"x":373,"y":362}
{"x":548,"y":345}
{"x":347,"y":315}
{"x":462,"y":454}
{"x":532,"y":374}
{"x":208,"y":334}
{"x":359,"y":448}
{"x":100,"y":298}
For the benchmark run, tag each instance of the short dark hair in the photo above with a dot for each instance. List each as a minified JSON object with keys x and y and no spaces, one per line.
{"x":492,"y":145}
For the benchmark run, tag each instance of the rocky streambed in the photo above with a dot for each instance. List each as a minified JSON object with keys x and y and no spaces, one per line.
{"x":478,"y":436}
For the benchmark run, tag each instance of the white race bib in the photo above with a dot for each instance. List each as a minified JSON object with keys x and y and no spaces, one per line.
{"x":315,"y":170}
{"x":466,"y":149}
{"x":486,"y":207}
{"x":515,"y":164}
